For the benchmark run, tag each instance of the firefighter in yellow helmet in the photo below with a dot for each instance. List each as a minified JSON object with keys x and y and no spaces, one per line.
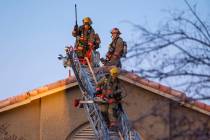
{"x":117,"y":49}
{"x":109,"y":89}
{"x":86,"y":39}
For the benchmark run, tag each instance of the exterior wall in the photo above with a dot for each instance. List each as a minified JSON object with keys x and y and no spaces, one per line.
{"x":21,"y":123}
{"x":148,"y":112}
{"x":58,"y":116}
{"x":50,"y":118}
{"x":188,"y":125}
{"x":158,"y":118}
{"x":53,"y":117}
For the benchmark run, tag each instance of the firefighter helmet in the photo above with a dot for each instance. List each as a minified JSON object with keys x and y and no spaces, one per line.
{"x":87,"y":20}
{"x":114,"y":71}
{"x":115,"y":30}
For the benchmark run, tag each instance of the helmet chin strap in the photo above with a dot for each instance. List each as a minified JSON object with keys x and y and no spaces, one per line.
{"x":114,"y":37}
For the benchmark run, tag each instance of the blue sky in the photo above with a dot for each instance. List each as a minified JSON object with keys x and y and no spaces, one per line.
{"x":33,"y":33}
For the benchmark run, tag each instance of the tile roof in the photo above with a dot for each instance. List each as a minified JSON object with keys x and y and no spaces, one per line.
{"x":26,"y":95}
{"x":166,"y":91}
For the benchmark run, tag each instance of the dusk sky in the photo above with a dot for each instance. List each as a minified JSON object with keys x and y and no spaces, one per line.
{"x":33,"y":33}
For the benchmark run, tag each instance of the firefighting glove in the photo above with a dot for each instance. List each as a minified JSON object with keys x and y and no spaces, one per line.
{"x":75,"y":27}
{"x":103,"y":61}
{"x":111,"y":101}
{"x":98,"y":91}
{"x":76,"y":102}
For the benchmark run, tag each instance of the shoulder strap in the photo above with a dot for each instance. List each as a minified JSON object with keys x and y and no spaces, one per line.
{"x":114,"y":42}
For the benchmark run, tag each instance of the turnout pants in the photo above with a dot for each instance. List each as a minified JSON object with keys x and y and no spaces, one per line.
{"x":109,"y":112}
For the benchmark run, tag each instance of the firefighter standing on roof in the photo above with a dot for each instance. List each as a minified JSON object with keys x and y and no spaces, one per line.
{"x":117,"y":49}
{"x":86,"y":39}
{"x":108,"y":88}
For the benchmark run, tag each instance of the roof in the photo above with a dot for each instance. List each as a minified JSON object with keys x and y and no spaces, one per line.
{"x":29,"y":96}
{"x":132,"y":78}
{"x":165,"y":91}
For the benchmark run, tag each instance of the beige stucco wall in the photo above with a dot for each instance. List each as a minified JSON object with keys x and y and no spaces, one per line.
{"x":158,"y":118}
{"x":147,"y":111}
{"x":53,"y":117}
{"x":21,"y":123}
{"x":50,"y":118}
{"x":58,"y":116}
{"x":187,"y":124}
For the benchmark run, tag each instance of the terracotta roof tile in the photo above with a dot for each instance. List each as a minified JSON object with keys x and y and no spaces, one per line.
{"x":178,"y":94}
{"x":129,"y":75}
{"x":52,"y":86}
{"x":42,"y":89}
{"x":154,"y":85}
{"x":167,"y":90}
{"x":144,"y":81}
{"x":208,"y":108}
{"x":4,"y":103}
{"x":34,"y":92}
{"x":200,"y":104}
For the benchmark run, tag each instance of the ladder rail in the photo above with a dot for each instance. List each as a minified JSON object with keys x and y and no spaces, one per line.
{"x":89,"y":65}
{"x":126,"y":129}
{"x":100,"y":128}
{"x":125,"y":126}
{"x":94,"y":115}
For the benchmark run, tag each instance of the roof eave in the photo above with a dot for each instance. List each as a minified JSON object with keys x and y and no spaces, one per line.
{"x":31,"y":98}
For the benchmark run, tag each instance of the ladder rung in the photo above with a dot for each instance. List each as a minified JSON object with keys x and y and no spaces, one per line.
{"x":92,"y":112}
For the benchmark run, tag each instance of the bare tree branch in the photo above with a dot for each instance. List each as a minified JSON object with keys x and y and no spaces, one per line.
{"x":179,"y":49}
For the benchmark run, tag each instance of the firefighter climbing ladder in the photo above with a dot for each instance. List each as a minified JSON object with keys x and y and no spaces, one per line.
{"x":86,"y":81}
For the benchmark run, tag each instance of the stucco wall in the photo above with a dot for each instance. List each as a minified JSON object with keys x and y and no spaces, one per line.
{"x":158,"y":118}
{"x":50,"y":118}
{"x":21,"y":123}
{"x":188,"y":125}
{"x":53,"y":117}
{"x":58,"y":116}
{"x":148,"y":112}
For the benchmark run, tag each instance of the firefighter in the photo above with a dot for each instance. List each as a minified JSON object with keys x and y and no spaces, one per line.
{"x":117,"y":49}
{"x":108,"y":88}
{"x":87,"y":40}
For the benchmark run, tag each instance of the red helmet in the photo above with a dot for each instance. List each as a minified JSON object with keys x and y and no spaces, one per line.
{"x":115,"y":30}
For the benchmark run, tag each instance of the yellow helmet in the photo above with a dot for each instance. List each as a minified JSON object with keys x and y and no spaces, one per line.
{"x":114,"y":71}
{"x":87,"y":20}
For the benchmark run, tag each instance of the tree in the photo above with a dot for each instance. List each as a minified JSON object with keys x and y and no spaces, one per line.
{"x":177,"y":53}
